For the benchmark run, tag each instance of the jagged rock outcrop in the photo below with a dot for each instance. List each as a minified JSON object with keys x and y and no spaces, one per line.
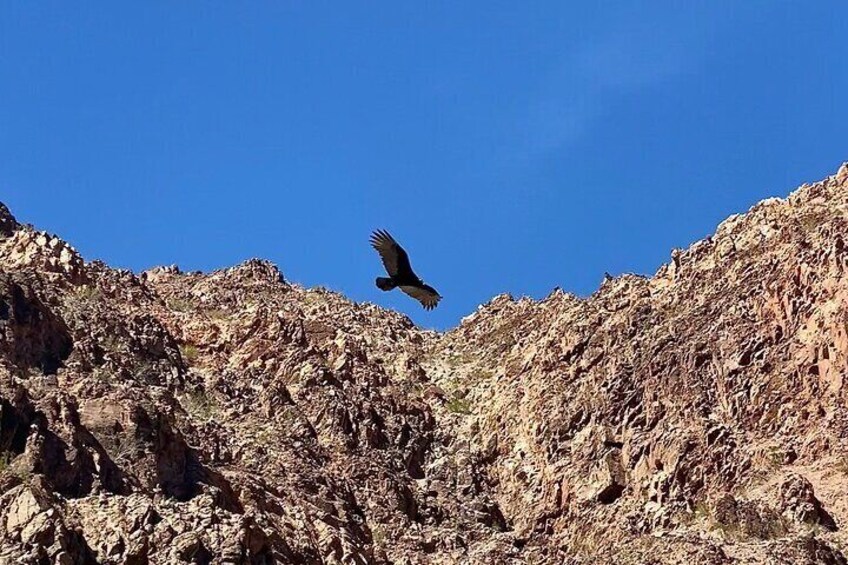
{"x":697,"y":416}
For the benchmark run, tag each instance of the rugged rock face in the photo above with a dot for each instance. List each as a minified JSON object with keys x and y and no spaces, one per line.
{"x":698,"y":416}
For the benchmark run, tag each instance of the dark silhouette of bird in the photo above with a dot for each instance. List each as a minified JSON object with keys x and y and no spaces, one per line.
{"x":400,"y":271}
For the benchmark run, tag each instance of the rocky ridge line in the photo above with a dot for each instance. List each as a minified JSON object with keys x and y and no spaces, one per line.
{"x":231,"y":417}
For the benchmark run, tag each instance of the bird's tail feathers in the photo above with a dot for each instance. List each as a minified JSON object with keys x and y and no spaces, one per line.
{"x":384,"y":283}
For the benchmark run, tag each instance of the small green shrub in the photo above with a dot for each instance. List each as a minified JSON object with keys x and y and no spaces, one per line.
{"x":5,"y":459}
{"x":812,"y":221}
{"x":81,"y":298}
{"x":199,"y":404}
{"x":87,"y":292}
{"x":189,"y":352}
{"x":479,"y":374}
{"x":143,"y":370}
{"x":775,"y":457}
{"x":458,"y":406}
{"x":102,"y":374}
{"x":112,"y":343}
{"x":216,"y":314}
{"x":377,"y":535}
{"x":264,"y":436}
{"x":178,"y":305}
{"x":7,"y":465}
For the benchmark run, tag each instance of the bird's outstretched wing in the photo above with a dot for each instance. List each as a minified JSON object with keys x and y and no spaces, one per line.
{"x":394,"y":257}
{"x":426,"y":295}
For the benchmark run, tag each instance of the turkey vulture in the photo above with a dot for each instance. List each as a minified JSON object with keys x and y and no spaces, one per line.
{"x":400,"y":271}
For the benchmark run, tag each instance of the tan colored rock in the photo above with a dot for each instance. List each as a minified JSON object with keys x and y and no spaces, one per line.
{"x":23,"y":508}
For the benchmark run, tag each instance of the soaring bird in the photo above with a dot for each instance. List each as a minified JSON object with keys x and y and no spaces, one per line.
{"x":400,"y":271}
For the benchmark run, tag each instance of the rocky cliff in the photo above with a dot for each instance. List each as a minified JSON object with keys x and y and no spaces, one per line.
{"x":697,"y":416}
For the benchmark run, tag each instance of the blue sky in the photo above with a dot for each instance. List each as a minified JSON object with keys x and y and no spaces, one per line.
{"x":510,"y":147}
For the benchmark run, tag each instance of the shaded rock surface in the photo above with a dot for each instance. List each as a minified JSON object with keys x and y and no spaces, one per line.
{"x":697,"y":416}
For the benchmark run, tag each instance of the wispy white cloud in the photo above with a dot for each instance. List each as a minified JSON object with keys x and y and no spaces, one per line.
{"x":634,"y":58}
{"x":630,"y":54}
